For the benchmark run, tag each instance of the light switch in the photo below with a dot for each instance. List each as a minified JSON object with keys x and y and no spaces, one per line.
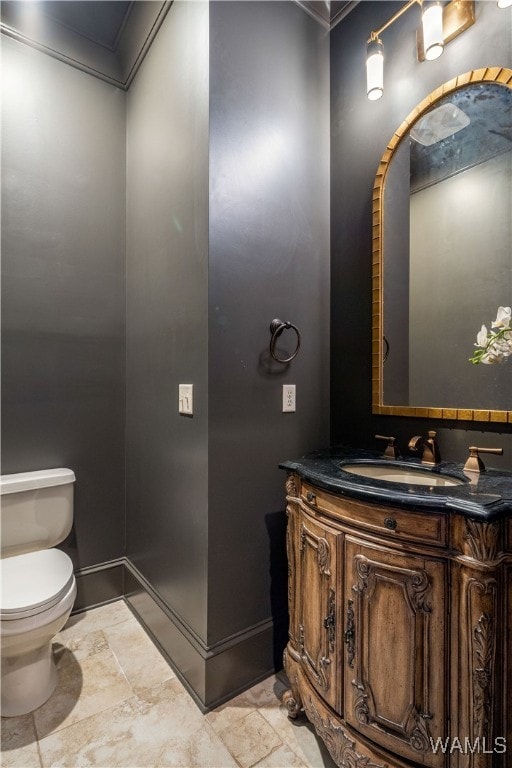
{"x":185,"y":399}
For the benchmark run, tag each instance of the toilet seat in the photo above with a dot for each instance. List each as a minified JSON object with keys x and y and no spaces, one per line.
{"x":33,"y":582}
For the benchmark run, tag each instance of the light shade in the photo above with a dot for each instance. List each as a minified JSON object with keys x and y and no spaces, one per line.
{"x":504,"y":3}
{"x":374,"y":69}
{"x":438,"y":124}
{"x":432,"y":22}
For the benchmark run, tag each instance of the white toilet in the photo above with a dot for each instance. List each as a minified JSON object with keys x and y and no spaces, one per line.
{"x":38,"y":586}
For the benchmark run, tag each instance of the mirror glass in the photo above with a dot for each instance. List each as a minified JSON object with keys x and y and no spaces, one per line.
{"x":443,"y":255}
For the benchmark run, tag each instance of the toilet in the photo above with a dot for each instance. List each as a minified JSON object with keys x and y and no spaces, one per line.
{"x":37,"y":584}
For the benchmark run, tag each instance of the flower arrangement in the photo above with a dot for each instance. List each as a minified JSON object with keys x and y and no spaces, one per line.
{"x":496,"y":345}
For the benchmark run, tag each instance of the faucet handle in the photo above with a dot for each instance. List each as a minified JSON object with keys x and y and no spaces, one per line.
{"x":474,"y":462}
{"x":391,"y":450}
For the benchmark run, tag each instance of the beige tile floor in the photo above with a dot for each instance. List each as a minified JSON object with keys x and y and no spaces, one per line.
{"x":118,"y":703}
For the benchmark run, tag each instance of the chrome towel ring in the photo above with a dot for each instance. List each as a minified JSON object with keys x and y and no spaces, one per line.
{"x":276,"y":329}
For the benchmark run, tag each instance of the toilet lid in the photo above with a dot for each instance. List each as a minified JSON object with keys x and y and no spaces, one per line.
{"x":33,"y":582}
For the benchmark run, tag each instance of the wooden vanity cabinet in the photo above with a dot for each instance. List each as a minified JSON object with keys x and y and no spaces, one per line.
{"x":398,"y":650}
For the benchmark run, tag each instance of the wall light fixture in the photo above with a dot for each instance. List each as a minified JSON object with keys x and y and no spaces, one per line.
{"x":432,"y":24}
{"x":440,"y":23}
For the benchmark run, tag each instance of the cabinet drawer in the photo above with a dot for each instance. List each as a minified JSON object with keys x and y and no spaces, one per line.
{"x":393,"y":523}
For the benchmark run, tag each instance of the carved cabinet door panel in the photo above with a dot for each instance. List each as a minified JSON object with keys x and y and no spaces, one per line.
{"x":395,"y":650}
{"x":292,"y":553}
{"x":318,"y":618}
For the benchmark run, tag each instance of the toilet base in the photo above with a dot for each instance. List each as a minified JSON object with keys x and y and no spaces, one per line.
{"x":27,"y":681}
{"x":29,"y":674}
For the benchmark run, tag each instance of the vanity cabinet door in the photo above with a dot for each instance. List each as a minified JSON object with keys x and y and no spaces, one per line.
{"x":318,"y":611}
{"x":395,"y":650}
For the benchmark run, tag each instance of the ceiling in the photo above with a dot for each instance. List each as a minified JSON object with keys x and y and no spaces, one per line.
{"x":109,"y":39}
{"x":100,"y":22}
{"x":328,"y":12}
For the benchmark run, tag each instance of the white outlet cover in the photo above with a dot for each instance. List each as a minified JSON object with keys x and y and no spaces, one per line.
{"x":289,"y":404}
{"x":186,"y":399}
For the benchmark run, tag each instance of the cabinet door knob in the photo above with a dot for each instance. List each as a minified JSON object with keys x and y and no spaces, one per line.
{"x":390,"y":523}
{"x":311,"y":497}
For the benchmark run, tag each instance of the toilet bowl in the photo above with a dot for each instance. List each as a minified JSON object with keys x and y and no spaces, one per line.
{"x":38,"y":587}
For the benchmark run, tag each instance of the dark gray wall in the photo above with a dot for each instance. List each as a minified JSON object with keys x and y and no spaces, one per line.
{"x":167,"y":314}
{"x":225,"y":165}
{"x":360,"y":132}
{"x":63,"y":219}
{"x":205,"y":519}
{"x":269,"y":244}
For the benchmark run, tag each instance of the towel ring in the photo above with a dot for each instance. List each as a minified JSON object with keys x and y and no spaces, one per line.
{"x":386,"y":349}
{"x":276,"y":329}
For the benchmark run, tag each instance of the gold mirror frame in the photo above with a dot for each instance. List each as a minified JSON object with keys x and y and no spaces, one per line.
{"x":500,"y":75}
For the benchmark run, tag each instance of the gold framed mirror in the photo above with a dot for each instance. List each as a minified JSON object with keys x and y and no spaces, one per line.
{"x":416,"y":382}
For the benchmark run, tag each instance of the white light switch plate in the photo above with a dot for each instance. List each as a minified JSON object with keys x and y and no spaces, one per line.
{"x":185,"y":399}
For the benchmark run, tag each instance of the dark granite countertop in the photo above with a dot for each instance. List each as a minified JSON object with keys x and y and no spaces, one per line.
{"x":487,"y":496}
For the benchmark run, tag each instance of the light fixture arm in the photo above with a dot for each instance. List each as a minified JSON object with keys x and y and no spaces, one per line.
{"x":375,"y":35}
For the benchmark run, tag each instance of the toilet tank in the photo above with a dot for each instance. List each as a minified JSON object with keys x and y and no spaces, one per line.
{"x":36,"y":510}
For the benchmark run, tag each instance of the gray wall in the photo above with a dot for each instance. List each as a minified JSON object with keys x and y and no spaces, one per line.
{"x":205,"y":519}
{"x":269,"y":245}
{"x":221,"y":181}
{"x":63,"y":219}
{"x":360,"y":131}
{"x":167,"y":313}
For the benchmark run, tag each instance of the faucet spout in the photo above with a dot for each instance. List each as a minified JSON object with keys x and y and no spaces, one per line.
{"x":430,"y":453}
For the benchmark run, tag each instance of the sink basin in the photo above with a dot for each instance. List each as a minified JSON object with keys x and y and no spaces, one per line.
{"x":410,"y":475}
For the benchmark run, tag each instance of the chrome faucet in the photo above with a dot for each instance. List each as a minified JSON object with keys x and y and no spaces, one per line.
{"x":429,"y":448}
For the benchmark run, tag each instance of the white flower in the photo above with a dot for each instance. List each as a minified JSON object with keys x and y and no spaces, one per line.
{"x":481,"y":338}
{"x":494,"y":346}
{"x":503,"y":318}
{"x":490,"y":357}
{"x":504,"y":344}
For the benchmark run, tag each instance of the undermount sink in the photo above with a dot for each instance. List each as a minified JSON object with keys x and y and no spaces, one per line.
{"x":409,"y":475}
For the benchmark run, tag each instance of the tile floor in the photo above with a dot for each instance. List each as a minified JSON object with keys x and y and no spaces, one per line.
{"x":118,"y":703}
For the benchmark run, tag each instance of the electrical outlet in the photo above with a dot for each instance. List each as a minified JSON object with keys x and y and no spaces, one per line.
{"x":288,"y":398}
{"x":185,"y":399}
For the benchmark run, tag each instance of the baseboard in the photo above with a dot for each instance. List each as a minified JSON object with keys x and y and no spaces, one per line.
{"x":99,"y":584}
{"x":212,"y":674}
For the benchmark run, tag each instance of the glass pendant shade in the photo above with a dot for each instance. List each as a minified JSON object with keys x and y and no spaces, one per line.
{"x":504,"y":3}
{"x":374,"y":69}
{"x":432,"y":22}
